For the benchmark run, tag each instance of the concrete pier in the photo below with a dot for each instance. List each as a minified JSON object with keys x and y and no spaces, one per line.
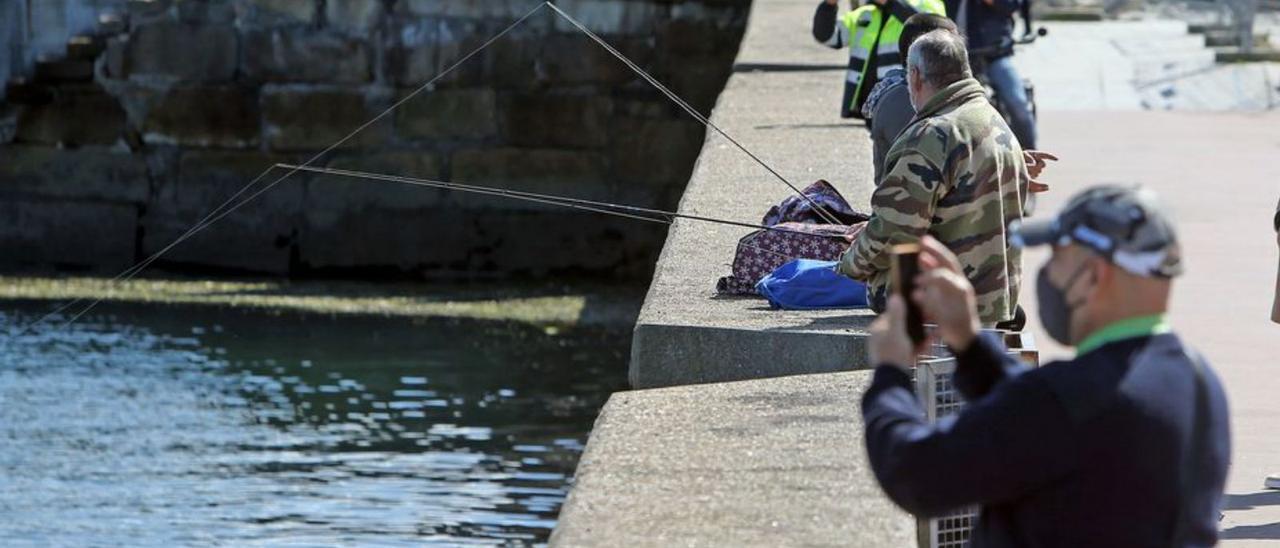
{"x":776,"y":462}
{"x":781,"y":103}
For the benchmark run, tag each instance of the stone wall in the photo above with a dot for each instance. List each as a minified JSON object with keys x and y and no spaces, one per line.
{"x":157,"y":117}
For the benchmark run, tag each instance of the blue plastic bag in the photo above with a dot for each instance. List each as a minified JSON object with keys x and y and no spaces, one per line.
{"x":807,"y":284}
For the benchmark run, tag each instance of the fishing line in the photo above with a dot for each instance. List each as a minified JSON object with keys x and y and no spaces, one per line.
{"x":229,"y":205}
{"x":223,"y":210}
{"x":620,"y":210}
{"x":689,"y":109}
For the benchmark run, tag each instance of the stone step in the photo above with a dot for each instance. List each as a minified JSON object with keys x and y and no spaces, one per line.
{"x":1258,"y":55}
{"x":1205,"y":28}
{"x":21,"y":91}
{"x":1220,"y":38}
{"x":85,"y":47}
{"x":1080,"y":13}
{"x":63,"y":70}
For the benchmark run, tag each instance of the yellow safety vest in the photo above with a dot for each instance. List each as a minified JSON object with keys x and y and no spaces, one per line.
{"x":863,"y":26}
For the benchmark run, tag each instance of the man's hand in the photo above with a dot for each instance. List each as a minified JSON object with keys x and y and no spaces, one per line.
{"x":853,"y":233}
{"x":889,"y":343}
{"x":1036,"y":161}
{"x":945,"y":295}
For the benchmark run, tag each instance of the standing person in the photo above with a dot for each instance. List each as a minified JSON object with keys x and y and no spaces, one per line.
{"x":1125,"y":445}
{"x":888,"y":107}
{"x":871,"y":33}
{"x":988,"y":24}
{"x":1273,"y":481}
{"x":956,"y":173}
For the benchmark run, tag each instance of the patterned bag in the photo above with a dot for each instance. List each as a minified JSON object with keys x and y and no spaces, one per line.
{"x":763,"y":251}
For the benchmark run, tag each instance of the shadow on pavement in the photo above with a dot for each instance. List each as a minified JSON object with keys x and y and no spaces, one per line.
{"x":1265,"y":531}
{"x":1250,"y":501}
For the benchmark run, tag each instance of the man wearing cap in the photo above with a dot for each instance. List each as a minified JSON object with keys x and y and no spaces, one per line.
{"x":955,"y":173}
{"x":1125,"y":445}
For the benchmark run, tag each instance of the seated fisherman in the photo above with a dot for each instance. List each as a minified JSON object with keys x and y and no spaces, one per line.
{"x":956,"y":173}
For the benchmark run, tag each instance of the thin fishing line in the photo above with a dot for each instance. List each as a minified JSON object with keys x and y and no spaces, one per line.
{"x":597,"y":206}
{"x":575,"y":203}
{"x":215,"y":216}
{"x":689,"y":109}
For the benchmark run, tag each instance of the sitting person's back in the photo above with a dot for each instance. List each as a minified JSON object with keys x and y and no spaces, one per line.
{"x":955,"y":173}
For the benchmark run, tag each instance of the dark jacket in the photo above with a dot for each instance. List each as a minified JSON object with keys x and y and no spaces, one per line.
{"x":986,"y":25}
{"x":890,"y":113}
{"x":1080,"y":453}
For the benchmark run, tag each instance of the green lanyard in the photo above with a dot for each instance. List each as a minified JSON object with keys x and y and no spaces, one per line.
{"x":1140,"y":326}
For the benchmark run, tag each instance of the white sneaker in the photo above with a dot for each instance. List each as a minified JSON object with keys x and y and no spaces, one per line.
{"x":1273,"y":481}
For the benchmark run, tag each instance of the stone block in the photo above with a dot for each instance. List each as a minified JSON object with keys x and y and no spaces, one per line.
{"x":206,"y":11}
{"x":256,"y":237}
{"x":305,"y":55}
{"x":352,"y":223}
{"x":182,"y":51}
{"x":275,"y":12}
{"x":557,"y":120}
{"x":489,"y":9}
{"x":80,"y":174}
{"x":222,"y":116}
{"x":37,"y":233}
{"x":78,"y":115}
{"x":660,"y":153}
{"x":411,"y":51}
{"x":539,"y":243}
{"x":449,"y":114}
{"x":354,"y":16}
{"x":545,"y":171}
{"x":64,"y":71}
{"x":455,"y":39}
{"x":312,"y":118}
{"x":575,"y":59}
{"x":611,"y":16}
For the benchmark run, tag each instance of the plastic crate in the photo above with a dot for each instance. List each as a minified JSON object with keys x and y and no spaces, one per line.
{"x":934,"y":386}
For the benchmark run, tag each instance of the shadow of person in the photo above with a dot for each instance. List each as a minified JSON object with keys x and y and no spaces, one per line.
{"x":1249,"y":501}
{"x":1265,"y":531}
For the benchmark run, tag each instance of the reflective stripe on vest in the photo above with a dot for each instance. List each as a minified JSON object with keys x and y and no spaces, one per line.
{"x":863,"y":25}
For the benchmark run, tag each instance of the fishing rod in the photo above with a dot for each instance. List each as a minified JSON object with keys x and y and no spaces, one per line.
{"x":607,"y":208}
{"x":234,"y":202}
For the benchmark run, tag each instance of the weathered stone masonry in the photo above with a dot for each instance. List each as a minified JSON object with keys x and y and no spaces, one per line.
{"x":159,"y":114}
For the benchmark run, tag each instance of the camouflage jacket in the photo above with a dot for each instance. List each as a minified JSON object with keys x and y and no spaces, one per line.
{"x":956,"y":172}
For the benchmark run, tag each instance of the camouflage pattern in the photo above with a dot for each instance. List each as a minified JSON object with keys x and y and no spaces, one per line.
{"x":955,"y":173}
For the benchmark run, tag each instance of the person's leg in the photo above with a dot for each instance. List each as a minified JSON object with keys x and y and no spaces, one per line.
{"x":1008,"y":85}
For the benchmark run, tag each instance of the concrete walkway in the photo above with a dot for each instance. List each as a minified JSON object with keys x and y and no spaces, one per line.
{"x":1221,"y":175}
{"x":786,"y":112}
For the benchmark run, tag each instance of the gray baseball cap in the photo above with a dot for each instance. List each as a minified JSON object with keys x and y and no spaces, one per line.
{"x":1124,"y":224}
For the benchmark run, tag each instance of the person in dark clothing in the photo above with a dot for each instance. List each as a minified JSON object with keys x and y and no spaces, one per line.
{"x":989,"y":24}
{"x":888,"y":107}
{"x":1125,"y":445}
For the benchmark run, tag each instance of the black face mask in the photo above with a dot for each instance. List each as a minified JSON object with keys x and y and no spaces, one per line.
{"x":1055,"y":311}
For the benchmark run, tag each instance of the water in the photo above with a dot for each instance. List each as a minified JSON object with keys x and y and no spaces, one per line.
{"x":162,"y":427}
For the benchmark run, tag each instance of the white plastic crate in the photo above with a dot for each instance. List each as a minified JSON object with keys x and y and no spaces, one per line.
{"x":934,"y":387}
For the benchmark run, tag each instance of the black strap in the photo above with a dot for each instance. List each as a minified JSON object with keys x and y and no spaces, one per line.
{"x":1196,"y":455}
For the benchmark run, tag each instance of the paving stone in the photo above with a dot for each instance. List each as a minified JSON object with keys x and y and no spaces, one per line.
{"x":186,"y":52}
{"x":449,"y":114}
{"x":312,"y":118}
{"x":221,"y":116}
{"x":257,"y":237}
{"x":81,"y":174}
{"x":556,"y":120}
{"x":305,"y":55}
{"x":67,"y":234}
{"x":78,"y":115}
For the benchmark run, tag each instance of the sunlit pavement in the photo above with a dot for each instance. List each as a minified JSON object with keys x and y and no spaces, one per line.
{"x":1220,"y":173}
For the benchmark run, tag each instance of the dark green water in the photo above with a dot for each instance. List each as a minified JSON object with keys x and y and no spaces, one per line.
{"x":152,"y":426}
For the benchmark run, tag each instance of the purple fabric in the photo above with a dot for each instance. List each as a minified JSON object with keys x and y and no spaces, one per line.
{"x":795,"y":209}
{"x":763,"y":251}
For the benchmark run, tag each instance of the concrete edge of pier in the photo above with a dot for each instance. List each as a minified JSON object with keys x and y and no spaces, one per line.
{"x":686,"y":333}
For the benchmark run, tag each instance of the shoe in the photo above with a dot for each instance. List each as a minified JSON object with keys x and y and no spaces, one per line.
{"x":1273,"y":481}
